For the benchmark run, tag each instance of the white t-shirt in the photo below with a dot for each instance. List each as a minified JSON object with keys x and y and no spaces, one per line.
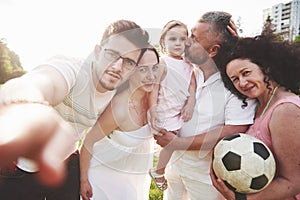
{"x":83,"y":104}
{"x":215,"y":107}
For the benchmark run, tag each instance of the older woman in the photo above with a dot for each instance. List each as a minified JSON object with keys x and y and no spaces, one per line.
{"x":269,"y":71}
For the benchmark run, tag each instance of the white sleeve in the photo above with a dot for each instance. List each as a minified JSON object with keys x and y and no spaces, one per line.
{"x":68,"y":67}
{"x":237,"y":114}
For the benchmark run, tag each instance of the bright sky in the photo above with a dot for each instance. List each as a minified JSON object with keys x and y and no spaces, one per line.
{"x":38,"y":29}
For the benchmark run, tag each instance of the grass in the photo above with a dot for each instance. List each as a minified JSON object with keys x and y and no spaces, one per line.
{"x":155,"y":193}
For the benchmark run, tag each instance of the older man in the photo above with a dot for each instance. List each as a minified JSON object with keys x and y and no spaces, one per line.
{"x":217,"y":113}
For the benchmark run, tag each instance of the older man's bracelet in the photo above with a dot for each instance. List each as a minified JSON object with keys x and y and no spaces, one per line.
{"x":240,"y":196}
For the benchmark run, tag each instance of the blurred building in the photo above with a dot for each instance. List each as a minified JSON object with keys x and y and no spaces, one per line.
{"x":286,"y":18}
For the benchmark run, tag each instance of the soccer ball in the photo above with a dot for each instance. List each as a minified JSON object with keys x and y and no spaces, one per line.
{"x":244,"y":162}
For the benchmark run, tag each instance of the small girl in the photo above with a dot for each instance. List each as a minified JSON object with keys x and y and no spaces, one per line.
{"x":173,"y":102}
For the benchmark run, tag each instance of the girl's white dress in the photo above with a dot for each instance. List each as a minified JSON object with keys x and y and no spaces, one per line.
{"x":173,"y":93}
{"x":119,"y":165}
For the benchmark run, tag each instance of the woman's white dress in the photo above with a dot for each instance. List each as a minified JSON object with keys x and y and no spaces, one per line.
{"x":119,"y":166}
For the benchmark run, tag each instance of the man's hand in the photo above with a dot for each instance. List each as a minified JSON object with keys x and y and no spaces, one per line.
{"x":232,"y":28}
{"x":37,"y":132}
{"x":167,"y":139}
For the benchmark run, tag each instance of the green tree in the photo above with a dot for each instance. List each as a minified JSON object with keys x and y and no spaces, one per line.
{"x":10,"y":65}
{"x":269,"y":30}
{"x":238,"y":25}
{"x":297,"y":39}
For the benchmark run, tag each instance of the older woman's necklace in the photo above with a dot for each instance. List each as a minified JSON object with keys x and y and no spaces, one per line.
{"x":269,"y":101}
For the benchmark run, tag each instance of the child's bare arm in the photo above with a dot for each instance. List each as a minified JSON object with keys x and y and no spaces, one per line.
{"x":188,"y":109}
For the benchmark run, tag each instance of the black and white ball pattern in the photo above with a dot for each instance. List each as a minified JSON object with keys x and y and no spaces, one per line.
{"x":244,"y":162}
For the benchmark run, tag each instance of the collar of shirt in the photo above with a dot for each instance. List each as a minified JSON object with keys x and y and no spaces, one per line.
{"x":200,"y":79}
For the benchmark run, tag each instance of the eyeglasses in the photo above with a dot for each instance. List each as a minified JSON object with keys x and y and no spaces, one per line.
{"x":113,"y":56}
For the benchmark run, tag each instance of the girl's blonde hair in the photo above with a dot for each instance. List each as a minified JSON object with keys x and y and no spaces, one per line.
{"x":171,"y":24}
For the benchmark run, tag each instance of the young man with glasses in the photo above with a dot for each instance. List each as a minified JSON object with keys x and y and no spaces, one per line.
{"x":217,"y":113}
{"x":45,"y":112}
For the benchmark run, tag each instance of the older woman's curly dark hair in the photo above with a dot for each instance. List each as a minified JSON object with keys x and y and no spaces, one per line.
{"x":279,"y":61}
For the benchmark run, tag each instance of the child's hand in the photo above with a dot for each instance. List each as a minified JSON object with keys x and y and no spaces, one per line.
{"x":154,"y":121}
{"x":155,"y":124}
{"x":187,"y":112}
